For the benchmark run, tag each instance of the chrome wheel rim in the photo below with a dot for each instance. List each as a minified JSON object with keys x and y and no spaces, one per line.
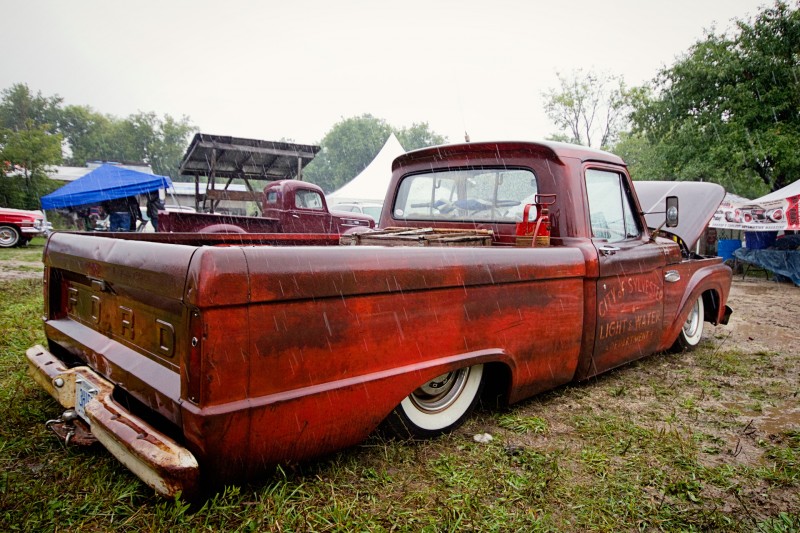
{"x":6,"y":237}
{"x":441,"y":392}
{"x":692,"y":321}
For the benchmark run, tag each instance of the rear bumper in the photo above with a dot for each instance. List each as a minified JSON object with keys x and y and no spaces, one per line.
{"x":156,"y":459}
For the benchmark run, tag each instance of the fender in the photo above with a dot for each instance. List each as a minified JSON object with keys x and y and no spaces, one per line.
{"x":714,"y":278}
{"x":428,"y":370}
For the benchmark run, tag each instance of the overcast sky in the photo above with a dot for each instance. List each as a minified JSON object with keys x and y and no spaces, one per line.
{"x":283,"y":69}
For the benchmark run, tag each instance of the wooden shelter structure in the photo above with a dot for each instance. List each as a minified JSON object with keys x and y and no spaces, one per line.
{"x":219,"y":158}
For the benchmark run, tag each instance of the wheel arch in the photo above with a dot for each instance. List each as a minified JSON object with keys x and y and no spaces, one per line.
{"x":222,"y":228}
{"x":497,"y":385}
{"x":498,"y":371}
{"x":712,"y":284}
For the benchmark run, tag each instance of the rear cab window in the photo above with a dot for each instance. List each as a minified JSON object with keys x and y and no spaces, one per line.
{"x":466,"y":195}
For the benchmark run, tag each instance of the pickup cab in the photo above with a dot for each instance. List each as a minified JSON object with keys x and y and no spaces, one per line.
{"x":18,"y":226}
{"x":287,"y":206}
{"x":201,"y":359}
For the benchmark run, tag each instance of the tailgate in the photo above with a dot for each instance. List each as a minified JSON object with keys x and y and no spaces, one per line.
{"x":117,"y":306}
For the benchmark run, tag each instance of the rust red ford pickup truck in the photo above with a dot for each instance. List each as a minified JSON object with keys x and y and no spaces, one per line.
{"x":197,"y":364}
{"x":288,"y":206}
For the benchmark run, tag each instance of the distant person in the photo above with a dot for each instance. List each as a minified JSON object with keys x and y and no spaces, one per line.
{"x":83,"y":215}
{"x":119,"y":215}
{"x":123,"y":213}
{"x":135,"y":211}
{"x":154,"y":205}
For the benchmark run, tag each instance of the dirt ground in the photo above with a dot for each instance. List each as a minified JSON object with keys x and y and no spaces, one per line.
{"x":766,"y":315}
{"x":11,"y":269}
{"x":766,"y":318}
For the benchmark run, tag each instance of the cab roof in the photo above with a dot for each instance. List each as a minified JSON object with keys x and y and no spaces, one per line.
{"x":548,"y":149}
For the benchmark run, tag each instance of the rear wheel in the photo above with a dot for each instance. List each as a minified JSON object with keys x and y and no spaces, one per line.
{"x":692,"y":329}
{"x":438,"y":406}
{"x":9,"y":236}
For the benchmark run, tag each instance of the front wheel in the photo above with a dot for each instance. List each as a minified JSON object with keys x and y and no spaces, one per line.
{"x":438,"y":406}
{"x":9,"y":236}
{"x":692,"y":329}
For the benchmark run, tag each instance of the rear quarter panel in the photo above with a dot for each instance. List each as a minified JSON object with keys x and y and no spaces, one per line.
{"x":337,"y":337}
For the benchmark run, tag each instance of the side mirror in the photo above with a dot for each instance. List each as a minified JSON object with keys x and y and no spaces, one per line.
{"x":672,"y":211}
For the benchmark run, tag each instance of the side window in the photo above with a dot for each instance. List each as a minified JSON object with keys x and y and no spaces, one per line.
{"x":307,"y":199}
{"x":610,"y":207}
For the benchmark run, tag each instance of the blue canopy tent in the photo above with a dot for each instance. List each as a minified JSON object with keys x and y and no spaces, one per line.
{"x":106,"y":182}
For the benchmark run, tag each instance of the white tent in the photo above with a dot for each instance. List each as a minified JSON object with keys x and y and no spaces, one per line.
{"x":372,"y":183}
{"x":791,"y":190}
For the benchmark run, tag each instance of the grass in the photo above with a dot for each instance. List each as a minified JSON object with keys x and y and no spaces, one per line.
{"x":661,"y":444}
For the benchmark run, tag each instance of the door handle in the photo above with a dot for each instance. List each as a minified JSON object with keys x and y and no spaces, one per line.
{"x":608,"y":250}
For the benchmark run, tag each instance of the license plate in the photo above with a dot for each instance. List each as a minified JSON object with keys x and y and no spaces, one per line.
{"x":84,"y":392}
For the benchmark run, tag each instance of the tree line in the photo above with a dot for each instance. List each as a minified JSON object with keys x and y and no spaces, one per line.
{"x":727,"y":111}
{"x":38,"y":132}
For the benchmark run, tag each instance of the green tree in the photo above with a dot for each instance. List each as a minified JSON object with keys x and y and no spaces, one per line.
{"x":159,"y":142}
{"x":29,"y":143}
{"x":142,"y":137}
{"x":20,"y":109}
{"x":88,"y":135}
{"x":418,"y":135}
{"x":352,"y":144}
{"x":28,"y":152}
{"x":347,"y":149}
{"x":588,"y":108}
{"x":728,"y":110}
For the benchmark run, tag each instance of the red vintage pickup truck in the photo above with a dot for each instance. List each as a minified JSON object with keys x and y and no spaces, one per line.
{"x":197,"y":364}
{"x":287,"y":206}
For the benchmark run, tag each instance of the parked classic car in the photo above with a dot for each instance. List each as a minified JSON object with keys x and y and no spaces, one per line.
{"x":18,"y":227}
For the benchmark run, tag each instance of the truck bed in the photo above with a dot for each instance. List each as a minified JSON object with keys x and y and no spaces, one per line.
{"x":211,"y":339}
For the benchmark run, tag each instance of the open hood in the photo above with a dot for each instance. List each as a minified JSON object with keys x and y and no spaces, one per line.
{"x":697,"y":203}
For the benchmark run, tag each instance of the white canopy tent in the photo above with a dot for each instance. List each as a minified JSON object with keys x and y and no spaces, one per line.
{"x":373,"y":182}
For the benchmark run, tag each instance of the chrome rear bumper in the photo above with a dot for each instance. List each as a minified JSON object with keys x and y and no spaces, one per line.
{"x":156,"y":459}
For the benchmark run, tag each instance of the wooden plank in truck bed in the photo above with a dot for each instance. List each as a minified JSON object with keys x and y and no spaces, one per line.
{"x":420,"y":237}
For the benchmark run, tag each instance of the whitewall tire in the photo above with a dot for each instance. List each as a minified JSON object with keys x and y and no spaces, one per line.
{"x":439,"y":405}
{"x":692,"y":329}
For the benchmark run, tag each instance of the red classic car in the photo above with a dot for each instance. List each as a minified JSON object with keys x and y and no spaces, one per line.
{"x":18,"y":227}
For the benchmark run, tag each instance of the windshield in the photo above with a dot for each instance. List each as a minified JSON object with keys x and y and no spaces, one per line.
{"x":466,"y":195}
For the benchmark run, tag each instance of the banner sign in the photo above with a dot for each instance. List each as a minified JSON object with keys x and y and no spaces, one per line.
{"x":776,"y":215}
